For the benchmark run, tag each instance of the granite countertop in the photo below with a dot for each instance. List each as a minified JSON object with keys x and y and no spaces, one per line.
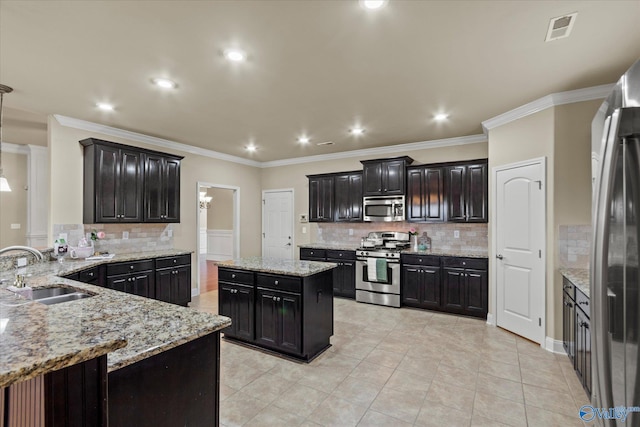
{"x":279,"y":266}
{"x":36,"y":338}
{"x":451,"y":253}
{"x":579,"y":277}
{"x":331,"y":246}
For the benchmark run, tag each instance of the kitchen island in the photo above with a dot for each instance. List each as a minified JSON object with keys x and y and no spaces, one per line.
{"x":284,"y":306}
{"x":112,"y":358}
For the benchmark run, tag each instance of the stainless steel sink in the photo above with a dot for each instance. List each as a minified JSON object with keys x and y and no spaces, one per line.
{"x":57,"y":295}
{"x":63,"y":298}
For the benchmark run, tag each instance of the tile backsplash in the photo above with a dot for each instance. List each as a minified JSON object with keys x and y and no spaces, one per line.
{"x":142,"y":237}
{"x":574,"y":244}
{"x":473,"y":237}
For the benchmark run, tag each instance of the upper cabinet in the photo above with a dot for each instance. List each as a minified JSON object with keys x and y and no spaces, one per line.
{"x":128,"y":184}
{"x":466,"y":187}
{"x":385,"y":177}
{"x":320,"y":198}
{"x":425,"y":194}
{"x":348,"y":197}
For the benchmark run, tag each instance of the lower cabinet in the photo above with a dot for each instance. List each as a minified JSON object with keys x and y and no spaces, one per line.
{"x":288,"y":314}
{"x":135,"y":277}
{"x":576,"y":327}
{"x":568,"y":319}
{"x":465,"y":286}
{"x":173,"y":279}
{"x":344,"y":276}
{"x":420,"y":277}
{"x":278,"y":320}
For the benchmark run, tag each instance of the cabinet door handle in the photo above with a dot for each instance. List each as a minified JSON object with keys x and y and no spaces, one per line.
{"x":278,"y":299}
{"x":175,"y":260}
{"x":90,"y":274}
{"x":233,"y":276}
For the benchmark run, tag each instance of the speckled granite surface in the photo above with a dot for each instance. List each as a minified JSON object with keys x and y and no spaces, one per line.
{"x":446,"y":253}
{"x":35,"y":338}
{"x":579,"y":277}
{"x":279,"y":266}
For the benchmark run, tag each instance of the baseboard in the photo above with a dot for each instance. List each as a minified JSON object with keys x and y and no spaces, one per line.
{"x":554,"y":346}
{"x":490,"y":320}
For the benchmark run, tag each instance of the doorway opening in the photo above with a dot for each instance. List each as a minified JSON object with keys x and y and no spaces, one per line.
{"x":218,"y":231}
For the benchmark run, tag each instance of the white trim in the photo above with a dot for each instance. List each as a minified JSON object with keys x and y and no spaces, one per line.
{"x":236,"y":223}
{"x":8,"y":147}
{"x":554,"y":346}
{"x":293,"y":220}
{"x":151,"y":140}
{"x":391,"y":149}
{"x":494,"y":243}
{"x":552,"y":100}
{"x":490,"y":319}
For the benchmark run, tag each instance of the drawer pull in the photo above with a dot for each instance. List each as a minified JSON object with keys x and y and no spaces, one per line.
{"x":131,"y":267}
{"x":175,"y":260}
{"x":275,"y":282}
{"x":584,"y":302}
{"x":233,"y":276}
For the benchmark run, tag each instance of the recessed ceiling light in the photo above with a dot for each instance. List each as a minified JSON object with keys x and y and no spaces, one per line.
{"x":357,"y":131}
{"x":104,"y":106}
{"x":164,"y":83}
{"x":440,"y":117}
{"x":373,"y":4}
{"x":304,"y":140}
{"x":235,"y":55}
{"x":251,"y":148}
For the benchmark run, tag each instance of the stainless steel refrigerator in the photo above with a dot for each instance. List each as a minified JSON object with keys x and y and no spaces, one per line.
{"x":615,"y":321}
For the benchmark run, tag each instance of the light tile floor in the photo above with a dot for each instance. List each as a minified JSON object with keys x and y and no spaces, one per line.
{"x":400,"y":367}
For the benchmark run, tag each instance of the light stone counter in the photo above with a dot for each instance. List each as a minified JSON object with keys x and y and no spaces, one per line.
{"x":436,"y":252}
{"x":579,"y":277}
{"x":331,"y":246}
{"x":36,"y":338}
{"x":279,"y":266}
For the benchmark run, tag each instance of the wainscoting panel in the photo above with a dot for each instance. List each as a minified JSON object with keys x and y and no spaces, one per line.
{"x":219,"y":245}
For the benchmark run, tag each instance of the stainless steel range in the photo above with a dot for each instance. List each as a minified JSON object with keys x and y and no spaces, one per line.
{"x":378,"y":267}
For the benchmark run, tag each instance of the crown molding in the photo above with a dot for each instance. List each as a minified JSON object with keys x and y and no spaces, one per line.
{"x":391,"y":149}
{"x":552,"y":100}
{"x":8,"y":147}
{"x":151,"y":140}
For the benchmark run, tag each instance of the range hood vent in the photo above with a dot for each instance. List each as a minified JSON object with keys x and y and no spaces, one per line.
{"x":560,"y":27}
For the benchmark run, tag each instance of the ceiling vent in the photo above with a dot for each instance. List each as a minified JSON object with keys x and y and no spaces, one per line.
{"x":560,"y":27}
{"x":325,"y":143}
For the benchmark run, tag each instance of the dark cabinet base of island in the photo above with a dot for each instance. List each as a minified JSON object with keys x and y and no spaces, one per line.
{"x":289,"y":315}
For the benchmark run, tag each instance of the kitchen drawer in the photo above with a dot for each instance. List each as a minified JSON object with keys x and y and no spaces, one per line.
{"x":173,"y":261}
{"x":130,"y":267}
{"x":582,"y":301}
{"x":89,"y":276}
{"x":333,"y":254}
{"x":313,"y":254}
{"x":474,"y":263}
{"x":568,"y":288}
{"x":282,"y":283}
{"x":235,"y":276}
{"x":430,"y":260}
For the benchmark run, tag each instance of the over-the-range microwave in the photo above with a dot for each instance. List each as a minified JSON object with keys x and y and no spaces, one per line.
{"x":383,"y":208}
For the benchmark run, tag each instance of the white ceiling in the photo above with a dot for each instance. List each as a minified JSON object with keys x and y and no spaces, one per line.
{"x":314,"y":67}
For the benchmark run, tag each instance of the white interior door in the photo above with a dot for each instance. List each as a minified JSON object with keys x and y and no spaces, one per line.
{"x":277,"y":224}
{"x":520,"y":249}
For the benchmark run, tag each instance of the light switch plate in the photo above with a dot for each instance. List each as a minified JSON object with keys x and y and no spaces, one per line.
{"x":125,"y":235}
{"x":15,"y":226}
{"x":456,"y":234}
{"x":21,"y":262}
{"x":304,"y":230}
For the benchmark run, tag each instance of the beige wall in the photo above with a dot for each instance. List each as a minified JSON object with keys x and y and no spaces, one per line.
{"x":294,"y":176}
{"x":66,"y":187}
{"x":561,"y":135}
{"x":13,"y":204}
{"x":220,"y":215}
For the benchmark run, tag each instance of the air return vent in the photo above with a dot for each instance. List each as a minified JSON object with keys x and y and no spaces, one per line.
{"x":560,"y":27}
{"x":325,"y":143}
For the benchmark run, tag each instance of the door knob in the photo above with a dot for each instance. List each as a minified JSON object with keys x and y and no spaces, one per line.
{"x":499,"y":256}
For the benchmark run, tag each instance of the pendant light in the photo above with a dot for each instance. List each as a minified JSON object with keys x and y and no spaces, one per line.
{"x":4,"y":184}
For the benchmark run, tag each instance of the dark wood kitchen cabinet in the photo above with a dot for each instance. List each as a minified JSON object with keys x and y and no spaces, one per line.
{"x":421,"y":282}
{"x":278,"y":324}
{"x":161,"y":188}
{"x":384,"y":177}
{"x":467,"y":192}
{"x":344,"y":275}
{"x":129,"y":184}
{"x":173,"y":279}
{"x":576,"y":331}
{"x":425,"y":194}
{"x":348,"y":197}
{"x":236,"y":300}
{"x":465,"y":286}
{"x":313,"y":254}
{"x":321,"y":198}
{"x":113,"y":183}
{"x":134,"y":277}
{"x":568,"y":319}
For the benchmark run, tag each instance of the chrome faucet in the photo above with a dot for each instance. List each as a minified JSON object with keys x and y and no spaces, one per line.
{"x":33,"y":251}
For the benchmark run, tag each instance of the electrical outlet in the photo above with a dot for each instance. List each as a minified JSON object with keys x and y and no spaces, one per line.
{"x":64,"y":236}
{"x":169,"y":233}
{"x":304,"y":230}
{"x":456,"y":234}
{"x":125,"y":235}
{"x":351,"y":232}
{"x":304,"y":218}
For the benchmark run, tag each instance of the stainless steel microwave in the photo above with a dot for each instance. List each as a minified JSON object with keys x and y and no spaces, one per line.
{"x":383,"y":208}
